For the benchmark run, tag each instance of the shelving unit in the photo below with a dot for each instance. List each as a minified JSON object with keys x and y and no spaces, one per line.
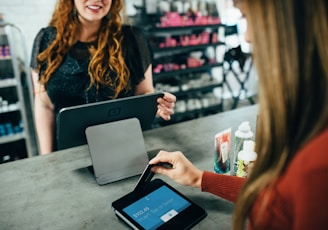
{"x":174,"y":71}
{"x":237,"y":66}
{"x":16,"y":130}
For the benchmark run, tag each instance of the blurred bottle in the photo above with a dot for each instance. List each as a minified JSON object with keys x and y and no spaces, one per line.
{"x":246,"y":159}
{"x":243,"y":133}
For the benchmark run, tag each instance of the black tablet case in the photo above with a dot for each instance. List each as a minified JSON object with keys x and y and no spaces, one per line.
{"x":72,"y":121}
{"x":189,"y":220}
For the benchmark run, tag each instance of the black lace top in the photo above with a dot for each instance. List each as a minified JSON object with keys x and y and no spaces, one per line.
{"x":68,"y":85}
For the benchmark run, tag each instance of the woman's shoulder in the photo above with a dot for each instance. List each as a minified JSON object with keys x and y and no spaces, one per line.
{"x":48,"y":30}
{"x":314,"y":154}
{"x":46,"y":33}
{"x":44,"y":37}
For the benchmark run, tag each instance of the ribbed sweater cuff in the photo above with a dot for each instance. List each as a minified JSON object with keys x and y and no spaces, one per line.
{"x":224,"y":186}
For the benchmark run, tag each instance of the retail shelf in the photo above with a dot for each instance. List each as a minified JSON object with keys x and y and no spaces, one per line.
{"x":175,"y":50}
{"x":187,"y":48}
{"x":16,"y":140}
{"x":185,"y":71}
{"x":199,"y":89}
{"x":181,"y":28}
{"x":9,"y":82}
{"x":12,"y":138}
{"x":10,"y":108}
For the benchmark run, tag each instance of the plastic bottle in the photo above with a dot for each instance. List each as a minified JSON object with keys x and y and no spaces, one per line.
{"x":243,"y":133}
{"x":246,"y":159}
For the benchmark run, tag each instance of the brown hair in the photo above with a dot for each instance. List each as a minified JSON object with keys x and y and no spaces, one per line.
{"x":65,"y":21}
{"x":290,"y":49}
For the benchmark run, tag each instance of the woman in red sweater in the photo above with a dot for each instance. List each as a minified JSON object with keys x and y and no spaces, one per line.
{"x":288,"y":186}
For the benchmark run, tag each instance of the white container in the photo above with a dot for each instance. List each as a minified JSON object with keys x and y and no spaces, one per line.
{"x":243,"y":133}
{"x":246,"y":159}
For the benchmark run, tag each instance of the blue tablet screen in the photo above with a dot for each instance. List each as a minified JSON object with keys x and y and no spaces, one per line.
{"x":156,"y":208}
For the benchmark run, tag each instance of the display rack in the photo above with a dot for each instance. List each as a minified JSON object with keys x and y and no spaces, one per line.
{"x":237,"y":66}
{"x":187,"y":70}
{"x":16,"y":119}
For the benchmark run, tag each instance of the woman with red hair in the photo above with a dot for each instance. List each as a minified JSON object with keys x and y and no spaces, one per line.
{"x":86,"y":54}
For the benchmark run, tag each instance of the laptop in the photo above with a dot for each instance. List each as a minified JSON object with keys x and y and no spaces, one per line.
{"x":72,"y":121}
{"x":117,"y":150}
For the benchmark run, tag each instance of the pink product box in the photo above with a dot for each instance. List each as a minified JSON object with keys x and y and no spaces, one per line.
{"x":215,"y":38}
{"x":171,"y":19}
{"x":168,"y":67}
{"x":158,"y":68}
{"x":170,"y":42}
{"x":186,"y":40}
{"x":194,"y":40}
{"x":204,"y":37}
{"x":194,"y":62}
{"x":213,"y":20}
{"x":201,"y":20}
{"x":189,"y":40}
{"x":171,"y":67}
{"x":188,"y":21}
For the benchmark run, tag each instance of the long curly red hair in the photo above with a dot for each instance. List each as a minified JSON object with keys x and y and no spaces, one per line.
{"x":105,"y":59}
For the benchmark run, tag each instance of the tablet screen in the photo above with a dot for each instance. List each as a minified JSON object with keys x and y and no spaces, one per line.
{"x":156,"y":208}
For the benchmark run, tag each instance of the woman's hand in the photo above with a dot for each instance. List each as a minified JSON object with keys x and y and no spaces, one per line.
{"x":166,"y":106}
{"x":182,"y":171}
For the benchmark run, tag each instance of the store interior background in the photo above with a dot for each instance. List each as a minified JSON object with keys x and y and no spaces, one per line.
{"x":31,"y":15}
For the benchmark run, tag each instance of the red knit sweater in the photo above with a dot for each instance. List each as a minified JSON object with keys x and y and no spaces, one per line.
{"x":300,"y":196}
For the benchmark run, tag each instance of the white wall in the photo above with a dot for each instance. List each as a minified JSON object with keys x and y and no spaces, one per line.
{"x":32,"y":15}
{"x":29,"y":15}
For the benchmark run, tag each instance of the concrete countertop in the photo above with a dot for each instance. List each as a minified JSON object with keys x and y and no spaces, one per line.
{"x":57,"y":191}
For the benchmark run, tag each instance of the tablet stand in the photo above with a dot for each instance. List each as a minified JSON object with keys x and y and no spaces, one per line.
{"x":117,"y":150}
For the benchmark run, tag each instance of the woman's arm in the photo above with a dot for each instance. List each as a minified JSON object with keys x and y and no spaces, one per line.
{"x":43,"y":115}
{"x":185,"y":173}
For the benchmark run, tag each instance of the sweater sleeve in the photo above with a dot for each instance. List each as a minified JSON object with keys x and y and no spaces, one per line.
{"x":224,"y":186}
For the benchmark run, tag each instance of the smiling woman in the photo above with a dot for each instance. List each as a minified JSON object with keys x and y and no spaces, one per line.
{"x":87,"y":54}
{"x":92,"y":11}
